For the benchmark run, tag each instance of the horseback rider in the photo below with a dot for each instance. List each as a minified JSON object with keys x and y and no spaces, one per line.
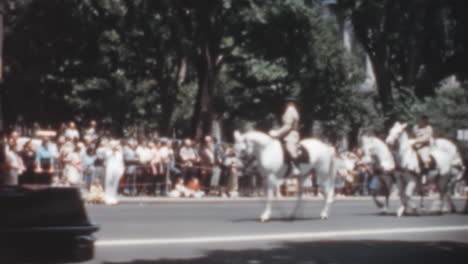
{"x":424,"y":134}
{"x":289,"y":133}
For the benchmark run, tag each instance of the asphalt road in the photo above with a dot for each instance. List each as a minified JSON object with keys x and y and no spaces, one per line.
{"x":231,"y":233}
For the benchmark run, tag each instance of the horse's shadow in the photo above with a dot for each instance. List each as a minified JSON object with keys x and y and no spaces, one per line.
{"x":278,"y":219}
{"x":408,"y":214}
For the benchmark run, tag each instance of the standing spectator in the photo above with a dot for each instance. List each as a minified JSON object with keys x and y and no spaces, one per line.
{"x":44,"y":162}
{"x":131,"y":166}
{"x":14,"y":135}
{"x":28,"y":154}
{"x":71,"y":132}
{"x":14,"y":164}
{"x":114,"y":171}
{"x":72,"y":169}
{"x":91,"y":132}
{"x":208,"y":160}
{"x":62,"y":129}
{"x":189,"y":159}
{"x":100,"y":160}
{"x":168,"y":160}
{"x":144,"y":158}
{"x":89,"y":168}
{"x":234,"y":166}
{"x":3,"y":167}
{"x":156,"y":168}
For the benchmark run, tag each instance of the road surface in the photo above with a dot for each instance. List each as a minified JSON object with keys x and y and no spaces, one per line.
{"x":229,"y":232}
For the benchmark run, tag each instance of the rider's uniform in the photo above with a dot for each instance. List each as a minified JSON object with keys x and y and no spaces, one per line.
{"x":289,"y":131}
{"x":423,"y":142}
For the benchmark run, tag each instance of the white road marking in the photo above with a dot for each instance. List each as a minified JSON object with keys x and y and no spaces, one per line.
{"x":272,"y":237}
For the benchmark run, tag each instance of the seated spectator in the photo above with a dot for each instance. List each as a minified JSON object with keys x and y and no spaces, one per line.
{"x":180,"y":190}
{"x":96,"y":192}
{"x":195,"y":188}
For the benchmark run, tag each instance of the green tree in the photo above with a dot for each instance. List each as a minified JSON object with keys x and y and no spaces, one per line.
{"x":410,"y":43}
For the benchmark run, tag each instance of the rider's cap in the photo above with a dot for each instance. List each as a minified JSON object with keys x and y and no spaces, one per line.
{"x":291,"y":99}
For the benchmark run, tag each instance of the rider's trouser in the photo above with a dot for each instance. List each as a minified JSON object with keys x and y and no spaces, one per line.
{"x":292,"y":144}
{"x":425,"y":154}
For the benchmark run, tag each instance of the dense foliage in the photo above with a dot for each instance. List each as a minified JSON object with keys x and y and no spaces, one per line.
{"x":177,"y":65}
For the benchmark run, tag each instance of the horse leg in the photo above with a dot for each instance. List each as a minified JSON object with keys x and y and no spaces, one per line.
{"x":270,"y":185}
{"x":300,"y":194}
{"x":438,"y":205}
{"x":410,"y":187}
{"x":378,"y":203}
{"x":388,"y":189}
{"x":400,"y":180}
{"x":329,"y":192}
{"x":421,"y":196}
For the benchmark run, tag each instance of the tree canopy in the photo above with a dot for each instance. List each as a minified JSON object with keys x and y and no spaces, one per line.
{"x":177,"y":65}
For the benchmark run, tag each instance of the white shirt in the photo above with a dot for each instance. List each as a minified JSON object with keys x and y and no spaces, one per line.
{"x":143,"y":154}
{"x":72,"y":133}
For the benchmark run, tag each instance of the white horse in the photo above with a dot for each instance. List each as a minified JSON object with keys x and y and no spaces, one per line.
{"x":379,"y":158}
{"x":269,"y":155}
{"x":449,"y":167}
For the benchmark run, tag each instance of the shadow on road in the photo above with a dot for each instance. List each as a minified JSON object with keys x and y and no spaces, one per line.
{"x":278,"y":219}
{"x":364,"y":251}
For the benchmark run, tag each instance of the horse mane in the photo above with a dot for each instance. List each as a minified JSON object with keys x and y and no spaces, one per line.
{"x":258,"y":136}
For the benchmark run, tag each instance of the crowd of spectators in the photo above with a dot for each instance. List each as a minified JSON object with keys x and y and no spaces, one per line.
{"x":150,"y":165}
{"x":153,"y":165}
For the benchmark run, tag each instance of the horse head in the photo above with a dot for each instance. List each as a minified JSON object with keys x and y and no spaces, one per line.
{"x":347,"y":166}
{"x":242,"y":146}
{"x":397,"y":129}
{"x":365,"y":151}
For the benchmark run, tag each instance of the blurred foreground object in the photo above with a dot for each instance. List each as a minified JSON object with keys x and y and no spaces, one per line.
{"x":47,"y":225}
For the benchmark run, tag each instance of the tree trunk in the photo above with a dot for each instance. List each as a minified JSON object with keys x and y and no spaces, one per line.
{"x":169,"y":92}
{"x":384,"y":85}
{"x":203,"y":112}
{"x":2,"y":10}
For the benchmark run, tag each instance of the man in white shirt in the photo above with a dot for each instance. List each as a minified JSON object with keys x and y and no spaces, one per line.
{"x":71,"y":132}
{"x":289,"y":132}
{"x":424,"y":135}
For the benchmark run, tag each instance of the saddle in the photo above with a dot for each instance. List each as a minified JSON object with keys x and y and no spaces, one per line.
{"x":422,"y":165}
{"x":303,"y":156}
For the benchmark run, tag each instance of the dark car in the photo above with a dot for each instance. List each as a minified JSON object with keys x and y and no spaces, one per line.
{"x":47,"y":225}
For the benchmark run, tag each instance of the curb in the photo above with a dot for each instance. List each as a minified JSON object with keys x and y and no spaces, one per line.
{"x":208,"y":200}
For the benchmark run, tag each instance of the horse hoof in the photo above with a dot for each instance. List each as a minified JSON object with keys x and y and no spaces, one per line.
{"x":400,"y":212}
{"x":384,"y":211}
{"x":324,"y":217}
{"x":264,"y":220}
